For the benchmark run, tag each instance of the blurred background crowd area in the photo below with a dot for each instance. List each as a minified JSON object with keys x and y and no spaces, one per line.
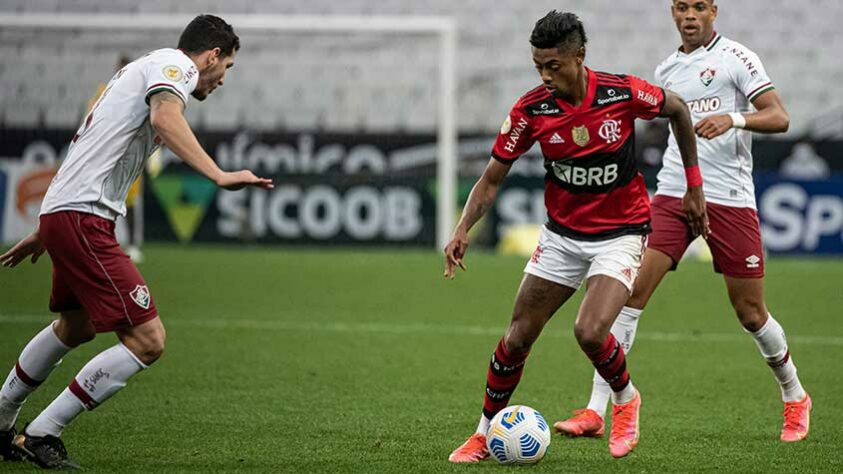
{"x":304,"y":105}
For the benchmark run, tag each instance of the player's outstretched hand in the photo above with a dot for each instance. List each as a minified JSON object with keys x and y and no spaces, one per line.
{"x":30,"y":245}
{"x":235,"y":180}
{"x":713,"y":126}
{"x":693,"y":204}
{"x":454,"y":253}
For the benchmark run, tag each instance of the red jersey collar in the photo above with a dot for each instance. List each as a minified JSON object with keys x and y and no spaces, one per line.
{"x":591,"y":89}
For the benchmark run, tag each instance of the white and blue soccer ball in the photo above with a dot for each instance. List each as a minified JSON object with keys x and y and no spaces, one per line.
{"x":518,"y":435}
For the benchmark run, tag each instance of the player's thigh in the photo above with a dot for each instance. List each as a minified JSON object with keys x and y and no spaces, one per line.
{"x":603,"y":300}
{"x":735,"y":241}
{"x":747,"y":298}
{"x":536,"y":302}
{"x":613,"y":271}
{"x":671,"y":233}
{"x":654,"y":266}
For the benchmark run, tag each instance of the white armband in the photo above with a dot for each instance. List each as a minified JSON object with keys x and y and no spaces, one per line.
{"x":738,"y":120}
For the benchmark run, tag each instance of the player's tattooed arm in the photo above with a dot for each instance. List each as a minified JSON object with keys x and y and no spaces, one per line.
{"x":166,"y":115}
{"x":693,"y":203}
{"x":480,"y":200}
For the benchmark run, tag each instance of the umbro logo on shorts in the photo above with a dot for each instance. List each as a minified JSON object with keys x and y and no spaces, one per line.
{"x":140,"y":295}
{"x":752,"y":261}
{"x":555,"y":139}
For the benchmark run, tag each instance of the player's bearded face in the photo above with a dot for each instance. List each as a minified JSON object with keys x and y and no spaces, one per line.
{"x":212,"y":74}
{"x":695,"y":20}
{"x":559,"y":71}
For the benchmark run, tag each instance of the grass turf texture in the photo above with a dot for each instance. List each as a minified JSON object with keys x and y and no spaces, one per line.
{"x":344,"y":361}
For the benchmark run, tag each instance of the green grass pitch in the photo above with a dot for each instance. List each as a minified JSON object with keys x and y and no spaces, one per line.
{"x":369,"y":361}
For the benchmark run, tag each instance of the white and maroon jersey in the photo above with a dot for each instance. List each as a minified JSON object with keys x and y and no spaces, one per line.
{"x":593,"y":190}
{"x":720,"y":77}
{"x":108,"y":151}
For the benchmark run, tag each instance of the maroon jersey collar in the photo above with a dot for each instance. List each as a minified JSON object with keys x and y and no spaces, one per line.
{"x":591,"y":89}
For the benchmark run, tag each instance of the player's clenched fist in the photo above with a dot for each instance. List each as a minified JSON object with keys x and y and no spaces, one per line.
{"x":713,"y":126}
{"x":454,"y":252}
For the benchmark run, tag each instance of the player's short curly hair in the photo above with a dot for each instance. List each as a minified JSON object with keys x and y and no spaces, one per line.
{"x":207,"y":32}
{"x":561,"y":30}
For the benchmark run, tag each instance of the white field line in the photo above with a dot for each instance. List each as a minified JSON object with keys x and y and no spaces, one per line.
{"x":426,"y":328}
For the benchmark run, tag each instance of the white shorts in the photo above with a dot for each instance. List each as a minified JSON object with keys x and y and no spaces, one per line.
{"x":568,"y":261}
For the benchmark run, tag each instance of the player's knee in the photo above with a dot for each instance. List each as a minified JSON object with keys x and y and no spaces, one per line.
{"x":151,"y":350}
{"x":148,"y":345}
{"x":589,"y":335}
{"x":85,"y":334}
{"x":752,"y":314}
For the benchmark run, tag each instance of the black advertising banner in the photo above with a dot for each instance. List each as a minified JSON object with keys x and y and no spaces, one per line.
{"x":335,"y":188}
{"x":304,"y":209}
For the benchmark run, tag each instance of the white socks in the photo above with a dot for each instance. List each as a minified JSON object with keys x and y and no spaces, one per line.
{"x":624,"y":331}
{"x":772,"y":344}
{"x":624,"y":396}
{"x":40,"y":356}
{"x":483,"y":426}
{"x":102,"y":377}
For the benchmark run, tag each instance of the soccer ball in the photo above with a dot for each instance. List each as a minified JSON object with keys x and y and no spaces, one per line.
{"x":518,"y":435}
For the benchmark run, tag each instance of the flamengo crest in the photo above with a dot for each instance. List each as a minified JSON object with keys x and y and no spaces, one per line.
{"x":610,"y":130}
{"x":140,"y":295}
{"x":707,"y":76}
{"x":580,"y":135}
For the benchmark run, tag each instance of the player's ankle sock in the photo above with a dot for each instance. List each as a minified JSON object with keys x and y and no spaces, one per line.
{"x":610,"y":362}
{"x":625,"y":395}
{"x":505,"y":371}
{"x":40,"y":356}
{"x":772,"y":344}
{"x":102,"y":377}
{"x":483,"y":425}
{"x":601,"y":393}
{"x":56,"y":416}
{"x":624,"y":331}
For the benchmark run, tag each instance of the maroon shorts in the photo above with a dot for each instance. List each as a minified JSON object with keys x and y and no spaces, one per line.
{"x":735,"y":239}
{"x":91,"y":272}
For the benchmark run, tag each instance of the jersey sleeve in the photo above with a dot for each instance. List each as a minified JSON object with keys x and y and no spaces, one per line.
{"x":747,"y":71}
{"x":171,"y":73}
{"x":647,"y":99}
{"x":515,"y":137}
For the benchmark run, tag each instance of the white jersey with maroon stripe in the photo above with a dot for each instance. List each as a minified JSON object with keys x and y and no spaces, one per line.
{"x":720,"y":77}
{"x":109,"y":150}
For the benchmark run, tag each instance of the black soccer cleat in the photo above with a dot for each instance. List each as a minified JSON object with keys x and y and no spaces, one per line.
{"x":7,"y":453}
{"x":47,"y":452}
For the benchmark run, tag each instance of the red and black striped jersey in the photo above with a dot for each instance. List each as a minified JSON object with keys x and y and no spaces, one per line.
{"x":593,"y":190}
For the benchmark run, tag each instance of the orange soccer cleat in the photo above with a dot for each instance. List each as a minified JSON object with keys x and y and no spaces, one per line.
{"x":473,"y":450}
{"x":797,"y":420}
{"x":624,"y":435}
{"x":585,"y":422}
